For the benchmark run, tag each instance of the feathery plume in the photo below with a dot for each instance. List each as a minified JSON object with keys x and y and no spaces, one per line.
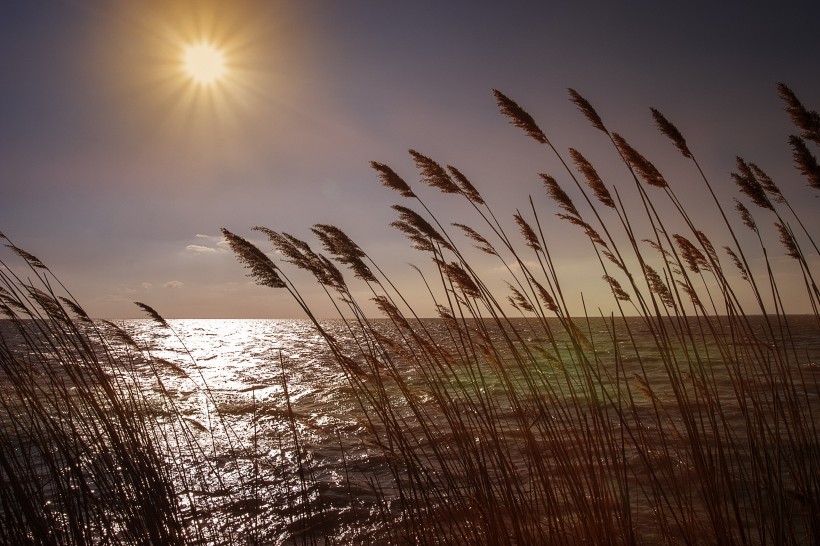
{"x":434,"y":174}
{"x":151,"y":312}
{"x":528,"y":233}
{"x":460,"y":278}
{"x":743,"y":274}
{"x":593,"y":180}
{"x":588,"y":229}
{"x":262,"y":268}
{"x":390,"y":311}
{"x":546,"y":297}
{"x":693,"y":257}
{"x":643,"y":166}
{"x":47,"y":302}
{"x":120,"y":334}
{"x":300,"y":254}
{"x":346,"y":251}
{"x":788,"y":241}
{"x":482,"y":243}
{"x":559,"y":195}
{"x":611,"y":257}
{"x":414,"y":220}
{"x":804,"y":119}
{"x":466,"y":186}
{"x":657,"y":286}
{"x":29,"y":258}
{"x":616,"y":288}
{"x":750,"y":185}
{"x":76,"y":309}
{"x":707,"y":246}
{"x":805,"y":162}
{"x":767,"y":183}
{"x":419,"y":240}
{"x":518,"y":301}
{"x":586,"y":108}
{"x":746,"y":216}
{"x":693,"y":296}
{"x":667,"y":128}
{"x":392,"y":180}
{"x":519,"y":117}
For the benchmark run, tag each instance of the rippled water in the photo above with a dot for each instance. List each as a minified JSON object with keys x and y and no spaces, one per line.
{"x":312,"y":471}
{"x":270,"y":440}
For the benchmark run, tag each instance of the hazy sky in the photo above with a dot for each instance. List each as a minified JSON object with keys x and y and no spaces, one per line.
{"x":118,"y":172}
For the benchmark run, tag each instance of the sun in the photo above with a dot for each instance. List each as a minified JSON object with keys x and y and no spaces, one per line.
{"x":204,"y":63}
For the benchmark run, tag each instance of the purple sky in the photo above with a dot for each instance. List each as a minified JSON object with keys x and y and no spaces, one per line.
{"x":118,"y":174}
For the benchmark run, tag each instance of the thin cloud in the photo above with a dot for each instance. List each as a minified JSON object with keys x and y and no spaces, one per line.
{"x":199,"y":249}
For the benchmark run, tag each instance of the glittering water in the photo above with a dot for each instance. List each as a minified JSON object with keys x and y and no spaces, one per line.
{"x":270,"y":440}
{"x":313,"y":468}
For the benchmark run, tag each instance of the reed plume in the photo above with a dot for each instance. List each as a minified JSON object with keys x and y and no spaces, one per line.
{"x":667,"y":128}
{"x":595,"y":183}
{"x":646,"y":170}
{"x":587,"y":110}
{"x":262,"y":268}
{"x":805,"y":161}
{"x":392,"y":180}
{"x":806,"y":120}
{"x":519,"y":117}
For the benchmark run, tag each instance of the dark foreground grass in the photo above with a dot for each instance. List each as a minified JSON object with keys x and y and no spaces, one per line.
{"x":691,"y":422}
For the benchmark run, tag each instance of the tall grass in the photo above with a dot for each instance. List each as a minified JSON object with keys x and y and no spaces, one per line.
{"x":567,"y":429}
{"x":688,"y":416}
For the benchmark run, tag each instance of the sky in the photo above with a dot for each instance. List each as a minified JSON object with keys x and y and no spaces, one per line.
{"x":118,"y":171}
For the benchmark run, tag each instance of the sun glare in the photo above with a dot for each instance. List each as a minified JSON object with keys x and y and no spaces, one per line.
{"x":204,"y":63}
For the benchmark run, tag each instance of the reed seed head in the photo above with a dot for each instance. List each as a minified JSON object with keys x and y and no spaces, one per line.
{"x":422,"y":226}
{"x":344,"y":249}
{"x":29,"y":258}
{"x":434,"y":174}
{"x":667,"y":128}
{"x":262,"y":268}
{"x":644,"y":168}
{"x":788,"y":241}
{"x":519,"y":117}
{"x":593,"y":180}
{"x":586,"y":108}
{"x":746,"y":216}
{"x":805,"y":161}
{"x":619,"y":292}
{"x":750,"y":185}
{"x":743,"y":273}
{"x":482,"y":244}
{"x":466,"y":186}
{"x":808,"y":121}
{"x":558,"y":195}
{"x":693,"y":257}
{"x":767,"y":183}
{"x":528,"y":233}
{"x":658,"y":287}
{"x":392,"y":180}
{"x":152,"y":313}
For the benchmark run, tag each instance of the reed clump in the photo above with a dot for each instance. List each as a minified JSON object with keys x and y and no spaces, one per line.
{"x":688,"y":415}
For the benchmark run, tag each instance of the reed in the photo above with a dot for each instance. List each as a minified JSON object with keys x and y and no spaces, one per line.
{"x":687,"y":416}
{"x":576,"y":436}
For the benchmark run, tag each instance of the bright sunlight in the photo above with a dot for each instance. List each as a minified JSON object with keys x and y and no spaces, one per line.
{"x":204,"y":63}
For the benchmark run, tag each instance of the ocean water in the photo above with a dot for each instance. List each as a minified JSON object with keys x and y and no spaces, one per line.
{"x":276,"y":433}
{"x":322,"y":467}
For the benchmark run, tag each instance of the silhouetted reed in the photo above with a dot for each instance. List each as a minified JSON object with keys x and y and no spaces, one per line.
{"x":687,"y":415}
{"x":552,"y":430}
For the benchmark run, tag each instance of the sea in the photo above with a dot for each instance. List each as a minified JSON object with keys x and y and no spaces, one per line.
{"x":339,"y":433}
